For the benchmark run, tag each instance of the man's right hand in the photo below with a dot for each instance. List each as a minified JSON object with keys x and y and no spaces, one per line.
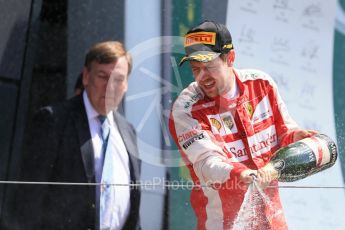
{"x":246,"y":176}
{"x":263,"y":176}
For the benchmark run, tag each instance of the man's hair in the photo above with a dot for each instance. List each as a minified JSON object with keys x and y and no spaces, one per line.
{"x":106,"y":53}
{"x":79,"y":82}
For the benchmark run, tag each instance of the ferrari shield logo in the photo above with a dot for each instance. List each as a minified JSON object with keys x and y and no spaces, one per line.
{"x":249,"y":109}
{"x":228,"y":122}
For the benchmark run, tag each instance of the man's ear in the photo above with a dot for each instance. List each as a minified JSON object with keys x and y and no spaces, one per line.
{"x":231,"y":58}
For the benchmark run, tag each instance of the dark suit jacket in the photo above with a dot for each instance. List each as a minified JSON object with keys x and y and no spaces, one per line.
{"x":61,"y":150}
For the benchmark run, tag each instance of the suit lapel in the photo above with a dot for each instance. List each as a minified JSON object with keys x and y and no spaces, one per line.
{"x":85,"y":142}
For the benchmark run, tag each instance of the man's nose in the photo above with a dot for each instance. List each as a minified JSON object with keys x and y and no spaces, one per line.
{"x":202,"y":74}
{"x":110,"y":85}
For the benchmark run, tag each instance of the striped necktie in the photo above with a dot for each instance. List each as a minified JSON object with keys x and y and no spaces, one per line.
{"x":105,"y":127}
{"x":105,"y":131}
{"x":107,"y":191}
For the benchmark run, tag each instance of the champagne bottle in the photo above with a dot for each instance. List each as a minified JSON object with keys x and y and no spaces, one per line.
{"x":303,"y":158}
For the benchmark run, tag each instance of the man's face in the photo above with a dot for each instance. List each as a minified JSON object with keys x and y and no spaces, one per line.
{"x":213,"y":77}
{"x":105,"y":84}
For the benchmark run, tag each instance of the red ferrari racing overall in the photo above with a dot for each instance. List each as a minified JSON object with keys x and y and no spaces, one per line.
{"x":218,"y":138}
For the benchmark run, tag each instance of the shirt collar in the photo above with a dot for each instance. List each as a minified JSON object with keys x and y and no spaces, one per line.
{"x":91,"y":112}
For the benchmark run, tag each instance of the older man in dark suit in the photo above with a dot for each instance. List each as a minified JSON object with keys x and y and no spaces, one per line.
{"x":69,"y":144}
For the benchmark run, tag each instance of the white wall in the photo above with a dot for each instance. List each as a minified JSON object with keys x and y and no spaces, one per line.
{"x":293,"y":42}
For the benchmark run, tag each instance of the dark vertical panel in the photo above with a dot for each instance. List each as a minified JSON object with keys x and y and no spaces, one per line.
{"x":48,"y":83}
{"x":13,"y":28}
{"x":42,"y":81}
{"x":339,"y":94}
{"x":8,"y":95}
{"x":214,"y":10}
{"x":90,"y":22}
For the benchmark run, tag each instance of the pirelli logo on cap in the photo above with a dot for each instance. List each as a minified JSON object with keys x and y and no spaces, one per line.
{"x":207,"y":38}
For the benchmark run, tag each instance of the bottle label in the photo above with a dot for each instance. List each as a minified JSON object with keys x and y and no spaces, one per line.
{"x":320,"y":148}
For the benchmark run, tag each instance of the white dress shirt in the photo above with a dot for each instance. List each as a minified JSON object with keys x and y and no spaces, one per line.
{"x":121,"y":161}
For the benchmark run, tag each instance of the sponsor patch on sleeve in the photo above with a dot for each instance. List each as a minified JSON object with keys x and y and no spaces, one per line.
{"x":192,"y":140}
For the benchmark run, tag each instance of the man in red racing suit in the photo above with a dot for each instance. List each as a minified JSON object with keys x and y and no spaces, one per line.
{"x":227,"y":125}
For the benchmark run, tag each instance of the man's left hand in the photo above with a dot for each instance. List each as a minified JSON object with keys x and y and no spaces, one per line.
{"x":301,"y":134}
{"x":266,"y":175}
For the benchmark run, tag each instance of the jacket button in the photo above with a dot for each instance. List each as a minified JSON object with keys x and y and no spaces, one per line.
{"x":93,"y":205}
